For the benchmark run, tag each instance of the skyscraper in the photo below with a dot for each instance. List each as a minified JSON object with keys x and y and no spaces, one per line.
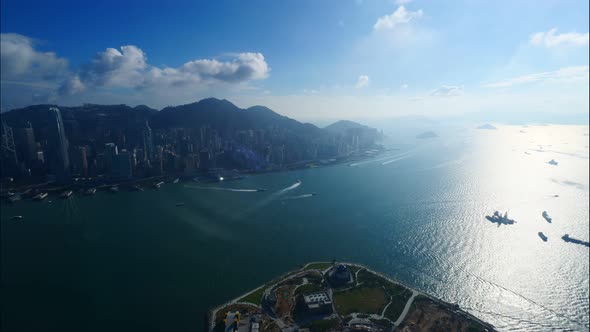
{"x":148,"y":143}
{"x":8,"y":159}
{"x":57,"y":147}
{"x":26,"y":147}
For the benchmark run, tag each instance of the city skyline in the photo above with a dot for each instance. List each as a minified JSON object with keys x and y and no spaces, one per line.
{"x":350,"y":59}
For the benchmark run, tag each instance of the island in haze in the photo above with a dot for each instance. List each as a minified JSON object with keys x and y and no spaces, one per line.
{"x":487,"y":126}
{"x":210,"y":139}
{"x":427,"y":134}
{"x":339,"y":297}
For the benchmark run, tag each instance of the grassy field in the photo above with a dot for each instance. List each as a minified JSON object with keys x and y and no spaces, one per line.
{"x":363,"y":300}
{"x":398,"y":302}
{"x":254,"y":297}
{"x":323,"y":325}
{"x":319,"y":266}
{"x":307,"y":288}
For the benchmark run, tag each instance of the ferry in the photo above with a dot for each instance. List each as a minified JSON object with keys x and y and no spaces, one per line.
{"x":546,"y":216}
{"x":14,"y":198}
{"x":66,"y":194}
{"x":90,"y":191}
{"x":499,"y":219}
{"x":40,"y":197}
{"x":542,"y":236}
{"x":17,"y":218}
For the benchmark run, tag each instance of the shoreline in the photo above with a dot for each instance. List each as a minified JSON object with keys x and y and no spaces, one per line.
{"x":212,"y":313}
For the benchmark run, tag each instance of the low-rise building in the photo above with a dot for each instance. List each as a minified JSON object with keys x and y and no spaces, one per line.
{"x":319,"y":302}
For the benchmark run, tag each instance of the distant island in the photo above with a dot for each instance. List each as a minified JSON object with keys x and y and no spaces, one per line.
{"x":427,"y":134}
{"x":95,"y":145}
{"x":487,"y":126}
{"x":339,"y":296}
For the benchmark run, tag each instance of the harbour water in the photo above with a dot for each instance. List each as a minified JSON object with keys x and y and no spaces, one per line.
{"x":136,"y":261}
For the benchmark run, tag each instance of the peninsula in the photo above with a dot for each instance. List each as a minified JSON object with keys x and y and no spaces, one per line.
{"x":325,"y":296}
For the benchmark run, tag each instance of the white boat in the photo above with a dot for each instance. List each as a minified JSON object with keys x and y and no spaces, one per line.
{"x":40,"y":197}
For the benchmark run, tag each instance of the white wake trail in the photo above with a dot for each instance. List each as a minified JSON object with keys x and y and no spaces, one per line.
{"x":224,"y":189}
{"x":380,"y":159}
{"x":397,"y":159}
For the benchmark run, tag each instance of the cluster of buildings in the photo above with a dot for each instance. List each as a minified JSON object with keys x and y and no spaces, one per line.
{"x":63,"y":148}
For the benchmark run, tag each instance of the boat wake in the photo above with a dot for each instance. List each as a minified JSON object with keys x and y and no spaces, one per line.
{"x":396,"y":159}
{"x":274,"y":196}
{"x":379,"y":159}
{"x":297,"y":197}
{"x":225,"y":189}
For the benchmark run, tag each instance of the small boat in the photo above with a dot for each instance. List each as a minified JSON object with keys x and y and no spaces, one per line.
{"x":66,"y":194}
{"x":546,"y":216}
{"x":260,"y":189}
{"x":17,"y":218}
{"x":158,"y":185}
{"x":553,"y":162}
{"x":176,"y":180}
{"x":180,"y":204}
{"x":90,"y":192}
{"x":114,"y":189}
{"x":40,"y":197}
{"x":542,"y":236}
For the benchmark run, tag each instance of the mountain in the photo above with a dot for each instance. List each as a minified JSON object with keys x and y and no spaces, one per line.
{"x":344,"y":125}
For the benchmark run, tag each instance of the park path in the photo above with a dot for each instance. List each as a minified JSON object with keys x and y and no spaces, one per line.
{"x":401,"y":317}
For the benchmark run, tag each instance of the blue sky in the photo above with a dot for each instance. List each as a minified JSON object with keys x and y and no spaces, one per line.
{"x":306,"y":59}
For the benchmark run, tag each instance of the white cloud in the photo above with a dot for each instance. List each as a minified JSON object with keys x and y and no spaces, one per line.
{"x":114,"y":68}
{"x":552,"y":39}
{"x":362,"y":81}
{"x":21,"y":62}
{"x":402,"y":2}
{"x":447,"y":91}
{"x":566,"y":74}
{"x":399,"y":17}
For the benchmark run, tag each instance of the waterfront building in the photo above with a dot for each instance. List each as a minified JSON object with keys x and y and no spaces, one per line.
{"x":57,"y":147}
{"x":26,"y":147}
{"x":340,"y":275}
{"x":122,"y":165}
{"x":110,"y":151}
{"x":148,"y":142}
{"x":8,"y":157}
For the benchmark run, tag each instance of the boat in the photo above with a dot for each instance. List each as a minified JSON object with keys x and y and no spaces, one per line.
{"x":542,"y":236}
{"x":66,"y":194}
{"x":40,"y":196}
{"x":17,"y":217}
{"x":546,"y":216}
{"x":114,"y":189}
{"x":567,"y":238}
{"x":137,"y":188}
{"x":176,"y":180}
{"x":298,"y":181}
{"x":500,"y":219}
{"x":260,"y":189}
{"x":158,"y":185}
{"x":90,"y":191}
{"x":313,"y":194}
{"x":14,"y":198}
{"x":180,"y":204}
{"x":552,"y":162}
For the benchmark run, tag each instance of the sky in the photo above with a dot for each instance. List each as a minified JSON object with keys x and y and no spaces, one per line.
{"x":310,"y":60}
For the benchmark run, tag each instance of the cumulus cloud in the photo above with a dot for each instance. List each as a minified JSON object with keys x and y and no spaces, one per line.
{"x":562,"y":75}
{"x":362,"y":81}
{"x":129,"y":68}
{"x":71,"y":86}
{"x":21,"y":62}
{"x":399,"y":17}
{"x":447,"y":91}
{"x":552,"y":39}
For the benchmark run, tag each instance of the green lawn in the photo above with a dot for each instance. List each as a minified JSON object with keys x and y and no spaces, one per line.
{"x":397,"y":305}
{"x":254,"y":297}
{"x":319,"y":266}
{"x":362,"y":300}
{"x":307,"y":288}
{"x":323,"y":324}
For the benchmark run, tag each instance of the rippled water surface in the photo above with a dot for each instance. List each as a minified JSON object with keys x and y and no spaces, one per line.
{"x":136,"y":261}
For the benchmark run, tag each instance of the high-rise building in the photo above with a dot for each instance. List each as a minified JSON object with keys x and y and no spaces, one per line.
{"x":57,"y":147}
{"x":26,"y":147}
{"x":110,"y":151}
{"x":122,"y":165}
{"x":148,"y":142}
{"x":8,"y":158}
{"x":81,"y":161}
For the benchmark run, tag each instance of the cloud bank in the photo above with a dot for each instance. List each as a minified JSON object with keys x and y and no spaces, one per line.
{"x":398,"y":17}
{"x":552,"y":39}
